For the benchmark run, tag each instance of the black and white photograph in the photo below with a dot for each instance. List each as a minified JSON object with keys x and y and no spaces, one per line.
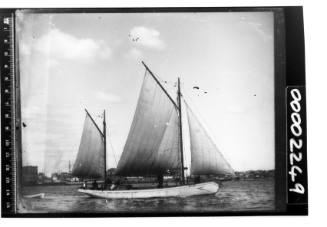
{"x":147,"y":112}
{"x":153,"y":112}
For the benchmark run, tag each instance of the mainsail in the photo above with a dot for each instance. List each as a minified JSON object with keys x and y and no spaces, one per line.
{"x":152,"y":146}
{"x":205,"y":157}
{"x":90,"y":158}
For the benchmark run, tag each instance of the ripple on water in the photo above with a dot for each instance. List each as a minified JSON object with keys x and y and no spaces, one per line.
{"x":233,"y":195}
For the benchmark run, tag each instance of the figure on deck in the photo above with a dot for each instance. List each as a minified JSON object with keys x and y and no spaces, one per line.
{"x":84,"y":185}
{"x":107,"y":184}
{"x":160,"y":181}
{"x":94,"y":185}
{"x":115,"y":185}
{"x":197,"y":179}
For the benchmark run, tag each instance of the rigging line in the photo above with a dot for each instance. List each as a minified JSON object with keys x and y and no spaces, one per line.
{"x":139,"y":120}
{"x":110,"y":142}
{"x":163,"y":103}
{"x":206,"y":128}
{"x":169,"y":83}
{"x":147,"y":157}
{"x":94,"y":122}
{"x":135,"y":120}
{"x":156,"y":79}
{"x":113,"y":150}
{"x":195,"y":109}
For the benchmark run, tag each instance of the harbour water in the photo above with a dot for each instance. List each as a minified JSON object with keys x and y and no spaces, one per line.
{"x":243,"y":195}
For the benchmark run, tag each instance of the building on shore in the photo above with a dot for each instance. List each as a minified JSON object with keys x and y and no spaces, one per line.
{"x":62,"y":177}
{"x":30,"y":175}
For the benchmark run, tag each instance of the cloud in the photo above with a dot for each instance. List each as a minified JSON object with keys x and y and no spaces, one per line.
{"x":109,"y":97}
{"x":57,"y":45}
{"x":147,"y":37}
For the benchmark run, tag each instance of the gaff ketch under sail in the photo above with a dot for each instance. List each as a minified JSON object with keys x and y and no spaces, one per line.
{"x":154,"y":143}
{"x":154,"y":146}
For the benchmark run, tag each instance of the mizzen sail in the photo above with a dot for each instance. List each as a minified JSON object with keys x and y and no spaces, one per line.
{"x":152,"y":146}
{"x":90,"y":157}
{"x":205,"y":157}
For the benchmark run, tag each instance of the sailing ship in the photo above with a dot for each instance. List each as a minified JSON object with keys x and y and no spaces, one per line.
{"x":154,"y":147}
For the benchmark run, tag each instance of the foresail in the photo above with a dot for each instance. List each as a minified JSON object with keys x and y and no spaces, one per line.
{"x":152,"y":146}
{"x":90,"y":158}
{"x":205,"y":157}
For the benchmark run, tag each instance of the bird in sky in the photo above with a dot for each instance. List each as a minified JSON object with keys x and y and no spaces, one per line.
{"x":133,"y":39}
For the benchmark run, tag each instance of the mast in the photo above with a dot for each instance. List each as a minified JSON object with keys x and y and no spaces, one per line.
{"x":105,"y":149}
{"x":160,"y":85}
{"x":180,"y":129}
{"x":154,"y":133}
{"x":90,"y":151}
{"x":69,"y":166}
{"x":93,"y":121}
{"x":206,"y":158}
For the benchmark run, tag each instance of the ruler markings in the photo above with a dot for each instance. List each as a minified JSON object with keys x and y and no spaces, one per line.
{"x":8,"y":114}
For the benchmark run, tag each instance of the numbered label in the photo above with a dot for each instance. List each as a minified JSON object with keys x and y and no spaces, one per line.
{"x":296,"y":128}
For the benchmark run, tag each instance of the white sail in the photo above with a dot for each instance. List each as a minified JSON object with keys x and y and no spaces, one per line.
{"x":90,"y":158}
{"x":205,"y":157}
{"x":152,"y":146}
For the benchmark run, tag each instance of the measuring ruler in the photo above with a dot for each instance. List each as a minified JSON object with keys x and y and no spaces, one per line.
{"x":8,"y":114}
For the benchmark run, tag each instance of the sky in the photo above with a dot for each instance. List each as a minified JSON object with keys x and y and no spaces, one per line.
{"x":69,"y":62}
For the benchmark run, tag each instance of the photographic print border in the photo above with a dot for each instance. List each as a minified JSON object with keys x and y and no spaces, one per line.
{"x":289,"y":71}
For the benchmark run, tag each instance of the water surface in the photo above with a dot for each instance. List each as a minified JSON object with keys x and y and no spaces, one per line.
{"x":243,"y":195}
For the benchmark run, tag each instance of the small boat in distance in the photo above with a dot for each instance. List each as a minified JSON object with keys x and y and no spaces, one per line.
{"x":154,"y":147}
{"x":35,"y":196}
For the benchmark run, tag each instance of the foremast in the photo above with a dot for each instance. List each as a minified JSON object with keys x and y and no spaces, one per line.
{"x":103,"y":134}
{"x":180,"y":129}
{"x":104,"y":150}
